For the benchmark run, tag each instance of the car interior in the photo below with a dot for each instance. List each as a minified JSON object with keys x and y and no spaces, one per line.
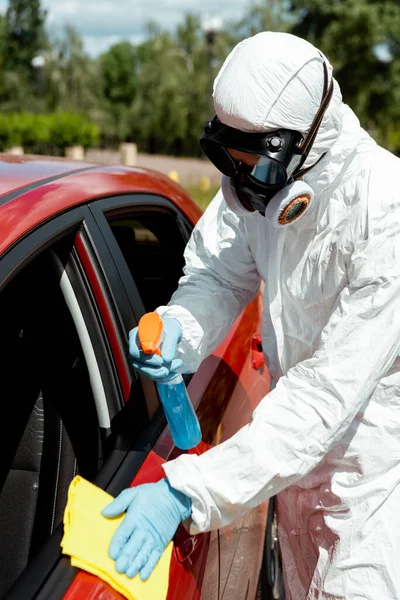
{"x":51,"y":430}
{"x":153,"y":246}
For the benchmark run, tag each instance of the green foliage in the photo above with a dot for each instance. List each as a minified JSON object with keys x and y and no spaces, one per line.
{"x":27,"y":129}
{"x":353,"y":34}
{"x":24,"y":35}
{"x":202,"y":197}
{"x":159,"y":111}
{"x":68,"y":129}
{"x":118,"y":73}
{"x":22,"y":129}
{"x":263,"y":15}
{"x":71,"y":77}
{"x":118,"y":67}
{"x":46,"y":132}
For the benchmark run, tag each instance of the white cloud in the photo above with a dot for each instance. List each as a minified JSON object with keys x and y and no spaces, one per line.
{"x":95,"y":45}
{"x":103,"y":22}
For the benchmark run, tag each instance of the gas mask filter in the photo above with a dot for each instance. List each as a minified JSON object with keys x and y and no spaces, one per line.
{"x":286,"y":205}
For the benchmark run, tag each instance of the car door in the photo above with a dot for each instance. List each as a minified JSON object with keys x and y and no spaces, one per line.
{"x":67,"y":394}
{"x":146,"y":236}
{"x":151,"y":233}
{"x":190,"y":553}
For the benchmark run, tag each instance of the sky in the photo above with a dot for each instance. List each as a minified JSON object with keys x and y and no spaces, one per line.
{"x":102,"y":23}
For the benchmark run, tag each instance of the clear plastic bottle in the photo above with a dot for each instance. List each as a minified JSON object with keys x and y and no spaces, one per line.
{"x":178,"y":408}
{"x":181,"y":417}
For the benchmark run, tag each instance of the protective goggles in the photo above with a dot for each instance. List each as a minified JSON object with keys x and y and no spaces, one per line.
{"x":277,"y":151}
{"x":281,"y":152}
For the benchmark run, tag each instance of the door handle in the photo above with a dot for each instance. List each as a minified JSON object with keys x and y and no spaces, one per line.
{"x":257,"y":354}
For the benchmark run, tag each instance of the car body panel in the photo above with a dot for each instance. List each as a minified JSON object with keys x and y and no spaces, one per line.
{"x":33,"y":206}
{"x":89,"y":587}
{"x":18,"y":172}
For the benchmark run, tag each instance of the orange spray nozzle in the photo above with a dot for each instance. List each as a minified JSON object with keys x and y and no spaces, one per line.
{"x":150,"y":332}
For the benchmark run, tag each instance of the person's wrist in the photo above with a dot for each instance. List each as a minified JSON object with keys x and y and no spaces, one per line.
{"x":182,"y":501}
{"x":173,"y":322}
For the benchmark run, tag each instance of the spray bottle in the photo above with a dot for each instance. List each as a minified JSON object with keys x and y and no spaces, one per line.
{"x":178,"y":408}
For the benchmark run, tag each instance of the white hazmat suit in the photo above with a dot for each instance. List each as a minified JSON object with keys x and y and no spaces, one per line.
{"x":326,"y":439}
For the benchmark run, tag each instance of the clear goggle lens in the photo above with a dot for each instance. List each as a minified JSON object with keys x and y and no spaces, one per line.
{"x":269,"y":172}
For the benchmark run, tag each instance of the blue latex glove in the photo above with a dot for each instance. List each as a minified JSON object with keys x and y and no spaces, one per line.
{"x":158,"y":368}
{"x":153,"y":514}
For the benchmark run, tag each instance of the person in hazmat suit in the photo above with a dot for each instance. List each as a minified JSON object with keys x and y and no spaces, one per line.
{"x":309,"y":205}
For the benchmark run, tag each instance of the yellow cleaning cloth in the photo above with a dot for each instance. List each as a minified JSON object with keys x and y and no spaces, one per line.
{"x":87,"y":535}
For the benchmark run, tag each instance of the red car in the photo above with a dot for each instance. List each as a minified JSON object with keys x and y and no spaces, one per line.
{"x":85,"y":250}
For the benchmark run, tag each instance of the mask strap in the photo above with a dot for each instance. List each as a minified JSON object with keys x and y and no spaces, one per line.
{"x":302,"y":172}
{"x":308,"y":141}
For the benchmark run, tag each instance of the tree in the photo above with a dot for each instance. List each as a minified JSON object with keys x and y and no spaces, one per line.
{"x":73,"y":80}
{"x":25,"y":35}
{"x":361,"y":39}
{"x":23,"y":38}
{"x":158,"y":114}
{"x":119,"y":70}
{"x":197,"y":74}
{"x":263,"y":15}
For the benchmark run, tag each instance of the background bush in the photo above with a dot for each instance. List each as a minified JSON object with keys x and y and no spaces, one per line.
{"x":46,"y":132}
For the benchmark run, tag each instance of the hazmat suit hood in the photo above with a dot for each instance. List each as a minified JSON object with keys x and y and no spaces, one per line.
{"x":275,"y":80}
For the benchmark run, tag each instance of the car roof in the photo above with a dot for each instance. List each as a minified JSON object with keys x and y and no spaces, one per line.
{"x":19,"y":171}
{"x":34,"y":189}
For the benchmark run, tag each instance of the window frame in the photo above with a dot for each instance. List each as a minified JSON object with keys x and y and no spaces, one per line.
{"x":80,"y":221}
{"x":119,"y":206}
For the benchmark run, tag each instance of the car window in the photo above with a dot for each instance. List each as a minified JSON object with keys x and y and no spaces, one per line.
{"x":49,"y":413}
{"x":152,"y":245}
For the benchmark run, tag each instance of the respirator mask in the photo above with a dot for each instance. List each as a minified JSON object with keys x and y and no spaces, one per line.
{"x":273,"y":186}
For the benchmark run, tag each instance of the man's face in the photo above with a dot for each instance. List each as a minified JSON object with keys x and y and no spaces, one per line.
{"x":248,"y":159}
